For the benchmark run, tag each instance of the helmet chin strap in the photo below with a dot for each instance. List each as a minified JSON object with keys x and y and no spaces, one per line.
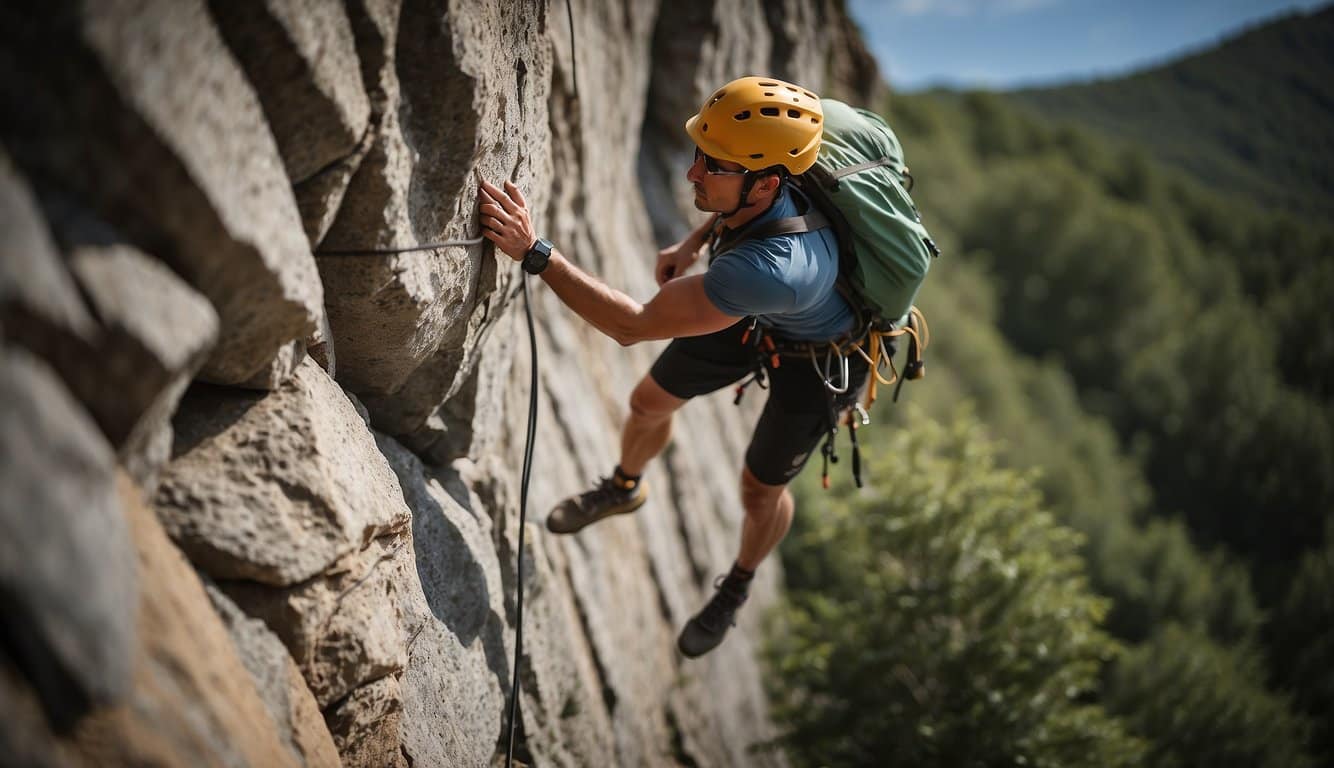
{"x":747,"y":184}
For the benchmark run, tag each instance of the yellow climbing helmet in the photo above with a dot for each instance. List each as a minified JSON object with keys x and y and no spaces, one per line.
{"x":760,"y":122}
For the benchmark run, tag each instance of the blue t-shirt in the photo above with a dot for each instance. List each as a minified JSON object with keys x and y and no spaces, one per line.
{"x":787,"y":281}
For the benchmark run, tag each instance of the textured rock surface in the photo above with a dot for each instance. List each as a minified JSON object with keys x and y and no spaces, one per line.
{"x":276,"y":487}
{"x":203,"y":187}
{"x":279,"y":683}
{"x":344,"y":629}
{"x":67,"y":580}
{"x":156,"y":332}
{"x":131,"y":350}
{"x":452,"y":93}
{"x":192,"y":702}
{"x":300,"y":57}
{"x":365,"y":576}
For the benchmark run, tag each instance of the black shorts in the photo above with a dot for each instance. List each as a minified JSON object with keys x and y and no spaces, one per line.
{"x":796,"y":415}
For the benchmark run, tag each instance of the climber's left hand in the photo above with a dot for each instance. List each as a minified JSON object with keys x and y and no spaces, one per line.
{"x":505,"y":219}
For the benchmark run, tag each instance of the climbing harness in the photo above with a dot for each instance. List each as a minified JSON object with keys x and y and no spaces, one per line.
{"x":831,"y":363}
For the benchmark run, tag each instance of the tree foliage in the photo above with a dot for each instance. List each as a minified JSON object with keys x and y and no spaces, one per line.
{"x":1250,"y":116}
{"x":1201,"y":704}
{"x":942,"y":617}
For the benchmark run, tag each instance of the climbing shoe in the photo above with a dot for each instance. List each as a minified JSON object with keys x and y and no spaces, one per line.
{"x":606,"y":499}
{"x":705,"y":631}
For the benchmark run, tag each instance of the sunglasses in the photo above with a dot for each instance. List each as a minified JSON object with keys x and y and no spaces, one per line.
{"x":712,"y":167}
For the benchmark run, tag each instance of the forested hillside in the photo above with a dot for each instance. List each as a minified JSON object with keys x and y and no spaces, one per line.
{"x":1251,"y":116}
{"x":1155,"y":360}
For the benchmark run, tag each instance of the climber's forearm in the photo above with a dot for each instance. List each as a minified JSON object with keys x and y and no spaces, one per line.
{"x":605,"y":308}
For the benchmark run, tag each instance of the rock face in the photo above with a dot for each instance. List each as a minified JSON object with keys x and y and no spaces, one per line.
{"x":195,"y":194}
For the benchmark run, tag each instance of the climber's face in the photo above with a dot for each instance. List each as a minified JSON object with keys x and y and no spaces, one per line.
{"x":717,"y":182}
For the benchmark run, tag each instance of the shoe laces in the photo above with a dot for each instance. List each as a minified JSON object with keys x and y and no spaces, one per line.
{"x":721,"y":609}
{"x":605,"y":489}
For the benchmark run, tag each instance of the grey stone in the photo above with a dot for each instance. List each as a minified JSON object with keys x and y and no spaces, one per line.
{"x":319,"y":197}
{"x":455,"y":94}
{"x":156,"y":333}
{"x":192,"y":701}
{"x":300,"y":58}
{"x":458,"y":666}
{"x":277,"y":487}
{"x":67,"y":576}
{"x":184,"y":165}
{"x":279,"y":683}
{"x":38,"y":299}
{"x":366,"y":726}
{"x":344,"y":628}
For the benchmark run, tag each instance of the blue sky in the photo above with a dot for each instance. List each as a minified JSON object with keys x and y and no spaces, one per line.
{"x":1009,"y":43}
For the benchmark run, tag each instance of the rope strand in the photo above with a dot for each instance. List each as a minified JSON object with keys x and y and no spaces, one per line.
{"x":393,"y":251}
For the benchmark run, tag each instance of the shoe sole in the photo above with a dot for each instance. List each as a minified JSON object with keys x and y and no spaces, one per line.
{"x":622,"y":510}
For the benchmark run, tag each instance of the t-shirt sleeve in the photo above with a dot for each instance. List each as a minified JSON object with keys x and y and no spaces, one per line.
{"x":738,"y":286}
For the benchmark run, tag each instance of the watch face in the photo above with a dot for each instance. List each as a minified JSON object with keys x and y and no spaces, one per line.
{"x":536,"y":259}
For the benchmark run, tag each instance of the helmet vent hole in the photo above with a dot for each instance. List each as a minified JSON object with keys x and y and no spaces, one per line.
{"x":790,"y":88}
{"x":768,"y":85}
{"x":742,"y":115}
{"x":768,"y":93}
{"x":794,"y":151}
{"x":815,"y":121}
{"x":768,"y":111}
{"x":757,"y":156}
{"x":704,"y":128}
{"x":810,"y":95}
{"x":717,"y":97}
{"x":794,"y":113}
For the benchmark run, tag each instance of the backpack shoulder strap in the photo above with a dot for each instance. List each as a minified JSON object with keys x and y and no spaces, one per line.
{"x":811,"y":221}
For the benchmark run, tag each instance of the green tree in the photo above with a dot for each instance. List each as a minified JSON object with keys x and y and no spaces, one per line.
{"x":1302,"y":636}
{"x":1201,"y":704}
{"x":941,"y":617}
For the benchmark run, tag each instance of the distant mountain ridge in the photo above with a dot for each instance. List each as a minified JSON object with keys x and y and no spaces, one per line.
{"x":1253,"y":116}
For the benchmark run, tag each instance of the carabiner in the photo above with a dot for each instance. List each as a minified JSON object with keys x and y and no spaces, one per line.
{"x":824,"y":375}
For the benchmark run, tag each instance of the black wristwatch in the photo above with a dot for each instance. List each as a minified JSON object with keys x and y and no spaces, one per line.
{"x":537,"y":257}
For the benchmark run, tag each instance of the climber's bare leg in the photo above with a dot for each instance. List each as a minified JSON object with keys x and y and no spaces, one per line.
{"x":649,"y":425}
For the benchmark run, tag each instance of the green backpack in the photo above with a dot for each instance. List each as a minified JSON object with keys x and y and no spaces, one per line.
{"x":859,"y":187}
{"x":861,"y":184}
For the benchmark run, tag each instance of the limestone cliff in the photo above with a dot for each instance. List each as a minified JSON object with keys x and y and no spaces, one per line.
{"x":259,"y":465}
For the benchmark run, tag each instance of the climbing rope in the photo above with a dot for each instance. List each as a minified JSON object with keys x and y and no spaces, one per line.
{"x":392,"y":251}
{"x":512,"y":727}
{"x":523,"y":517}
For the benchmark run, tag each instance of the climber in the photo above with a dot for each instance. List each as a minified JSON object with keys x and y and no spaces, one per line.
{"x":750,"y":135}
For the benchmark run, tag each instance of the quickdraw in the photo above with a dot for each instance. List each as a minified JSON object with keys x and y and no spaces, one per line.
{"x":874,"y":346}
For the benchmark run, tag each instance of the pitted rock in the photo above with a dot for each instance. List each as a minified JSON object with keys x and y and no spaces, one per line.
{"x":192,"y":701}
{"x":345,"y":628}
{"x":463,"y":92}
{"x":275,"y":488}
{"x":279,"y":683}
{"x":366,"y":726}
{"x":204,"y":185}
{"x":459,"y":659}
